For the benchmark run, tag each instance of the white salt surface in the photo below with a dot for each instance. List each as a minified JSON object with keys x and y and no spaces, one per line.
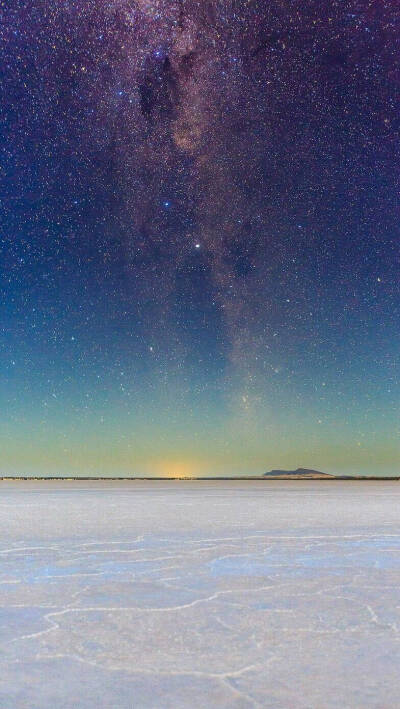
{"x":278,"y":594}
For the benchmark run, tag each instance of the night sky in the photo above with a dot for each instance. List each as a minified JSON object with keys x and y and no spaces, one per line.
{"x":199,"y":224}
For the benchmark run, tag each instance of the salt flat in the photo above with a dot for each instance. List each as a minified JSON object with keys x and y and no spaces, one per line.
{"x":272,"y":594}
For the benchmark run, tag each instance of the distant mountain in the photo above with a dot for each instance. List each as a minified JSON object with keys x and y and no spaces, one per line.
{"x":299,"y":473}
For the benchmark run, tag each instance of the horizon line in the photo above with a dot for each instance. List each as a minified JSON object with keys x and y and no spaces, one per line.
{"x":262,"y":476}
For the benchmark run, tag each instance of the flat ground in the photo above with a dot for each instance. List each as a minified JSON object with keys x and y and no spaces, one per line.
{"x":272,"y":594}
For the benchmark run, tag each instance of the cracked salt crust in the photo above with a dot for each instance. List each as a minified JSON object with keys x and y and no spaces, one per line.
{"x":142,"y":595}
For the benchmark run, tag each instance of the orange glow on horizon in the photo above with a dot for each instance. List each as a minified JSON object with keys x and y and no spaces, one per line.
{"x":176,"y":469}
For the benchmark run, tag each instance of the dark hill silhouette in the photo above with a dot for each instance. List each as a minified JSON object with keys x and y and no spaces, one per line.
{"x":298,"y":473}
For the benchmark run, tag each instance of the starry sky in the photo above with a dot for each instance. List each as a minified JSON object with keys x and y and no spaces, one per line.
{"x":199,"y":232}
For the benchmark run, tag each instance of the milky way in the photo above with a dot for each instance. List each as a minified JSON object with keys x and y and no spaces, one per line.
{"x":199,"y":229}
